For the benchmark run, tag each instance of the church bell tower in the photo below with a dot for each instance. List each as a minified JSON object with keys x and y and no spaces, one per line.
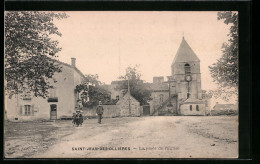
{"x":185,"y":70}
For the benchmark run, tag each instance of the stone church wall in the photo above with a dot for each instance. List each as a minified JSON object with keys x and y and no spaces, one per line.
{"x":185,"y":109}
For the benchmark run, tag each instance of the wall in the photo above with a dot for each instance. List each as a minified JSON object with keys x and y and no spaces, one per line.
{"x":109,"y":111}
{"x":123,"y":104}
{"x":223,"y":112}
{"x":185,"y":109}
{"x":155,"y":103}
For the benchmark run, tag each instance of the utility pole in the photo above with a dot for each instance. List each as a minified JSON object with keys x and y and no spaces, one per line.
{"x":169,"y":84}
{"x":129,"y":98}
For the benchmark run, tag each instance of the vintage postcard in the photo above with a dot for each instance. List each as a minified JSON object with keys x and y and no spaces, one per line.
{"x":121,"y":84}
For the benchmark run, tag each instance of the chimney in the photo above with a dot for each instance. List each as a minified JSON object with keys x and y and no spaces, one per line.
{"x":73,"y":62}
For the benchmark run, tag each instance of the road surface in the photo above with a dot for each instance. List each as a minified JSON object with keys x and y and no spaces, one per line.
{"x":150,"y":137}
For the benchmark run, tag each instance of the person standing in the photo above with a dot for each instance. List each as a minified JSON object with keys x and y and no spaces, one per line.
{"x":99,"y":111}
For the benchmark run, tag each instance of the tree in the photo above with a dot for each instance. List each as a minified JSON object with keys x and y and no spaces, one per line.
{"x":93,"y":79}
{"x":225,"y":71}
{"x":30,"y":51}
{"x":137,"y":88}
{"x":92,"y":89}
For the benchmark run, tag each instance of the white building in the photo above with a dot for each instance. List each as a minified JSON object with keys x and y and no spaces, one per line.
{"x":61,"y":102}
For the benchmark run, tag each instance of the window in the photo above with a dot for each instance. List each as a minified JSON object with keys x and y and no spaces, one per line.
{"x":27,"y":96}
{"x":197,"y":108}
{"x":117,"y":97}
{"x":187,"y":69}
{"x":161,"y":98}
{"x":52,"y":95}
{"x":190,"y":107}
{"x":52,"y":92}
{"x":188,"y":95}
{"x":206,"y":103}
{"x":27,"y":110}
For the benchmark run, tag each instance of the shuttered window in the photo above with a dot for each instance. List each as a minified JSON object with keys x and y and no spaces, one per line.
{"x":21,"y":110}
{"x":27,"y":110}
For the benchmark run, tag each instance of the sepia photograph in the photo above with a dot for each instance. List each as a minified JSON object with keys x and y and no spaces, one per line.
{"x":121,"y":84}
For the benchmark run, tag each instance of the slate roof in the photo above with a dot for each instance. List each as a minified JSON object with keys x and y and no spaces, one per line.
{"x":118,"y":82}
{"x":185,"y":53}
{"x":68,"y":65}
{"x":157,"y":86}
{"x":223,"y":106}
{"x":128,"y":94}
{"x":45,"y":58}
{"x":193,"y":101}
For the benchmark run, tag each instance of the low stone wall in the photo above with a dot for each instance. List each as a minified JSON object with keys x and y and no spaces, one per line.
{"x":109,"y":111}
{"x":223,"y":112}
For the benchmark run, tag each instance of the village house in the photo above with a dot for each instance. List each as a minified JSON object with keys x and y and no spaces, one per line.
{"x":128,"y":106}
{"x":62,"y":101}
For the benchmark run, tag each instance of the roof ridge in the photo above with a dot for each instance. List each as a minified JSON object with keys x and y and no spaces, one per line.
{"x":74,"y":67}
{"x":185,"y":53}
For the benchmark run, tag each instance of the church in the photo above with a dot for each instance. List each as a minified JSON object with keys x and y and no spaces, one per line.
{"x":181,"y":94}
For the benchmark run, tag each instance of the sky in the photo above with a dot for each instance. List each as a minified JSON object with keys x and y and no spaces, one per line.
{"x":106,"y":42}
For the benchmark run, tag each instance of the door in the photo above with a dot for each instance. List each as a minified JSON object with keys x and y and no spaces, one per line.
{"x":146,"y":110}
{"x":174,"y":103}
{"x":53,"y":112}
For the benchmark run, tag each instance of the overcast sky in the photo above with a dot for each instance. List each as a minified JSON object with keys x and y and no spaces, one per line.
{"x":149,"y":38}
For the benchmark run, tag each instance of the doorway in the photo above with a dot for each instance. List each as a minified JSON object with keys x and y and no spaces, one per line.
{"x":53,"y":112}
{"x":146,"y":110}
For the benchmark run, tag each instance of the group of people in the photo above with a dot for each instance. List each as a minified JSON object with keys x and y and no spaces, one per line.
{"x":77,"y":118}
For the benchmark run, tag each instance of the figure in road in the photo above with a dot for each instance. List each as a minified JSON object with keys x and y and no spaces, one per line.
{"x":80,"y":119}
{"x":99,"y":112}
{"x":74,"y":119}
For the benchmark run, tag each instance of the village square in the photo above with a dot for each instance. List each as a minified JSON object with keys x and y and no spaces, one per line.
{"x":169,"y":117}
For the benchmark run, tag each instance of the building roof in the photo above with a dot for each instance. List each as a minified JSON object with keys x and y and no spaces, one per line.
{"x":68,"y":65}
{"x":224,"y":106}
{"x":45,"y":58}
{"x":117,"y":82}
{"x":157,"y":87}
{"x":193,"y":101}
{"x":185,"y":53}
{"x":126,"y":97}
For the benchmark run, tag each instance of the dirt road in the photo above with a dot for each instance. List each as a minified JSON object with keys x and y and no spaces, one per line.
{"x":150,"y":137}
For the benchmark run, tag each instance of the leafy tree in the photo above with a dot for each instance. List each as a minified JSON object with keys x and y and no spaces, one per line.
{"x":225,"y":71}
{"x":137,"y":88}
{"x":91,"y":88}
{"x":224,"y":94}
{"x":30,"y":50}
{"x":97,"y":94}
{"x":93,"y":79}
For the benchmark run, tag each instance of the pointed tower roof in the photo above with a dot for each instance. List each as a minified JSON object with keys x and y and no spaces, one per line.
{"x":185,"y":53}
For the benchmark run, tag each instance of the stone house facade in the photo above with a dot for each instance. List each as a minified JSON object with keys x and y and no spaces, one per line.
{"x":128,"y":106}
{"x":61,"y":102}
